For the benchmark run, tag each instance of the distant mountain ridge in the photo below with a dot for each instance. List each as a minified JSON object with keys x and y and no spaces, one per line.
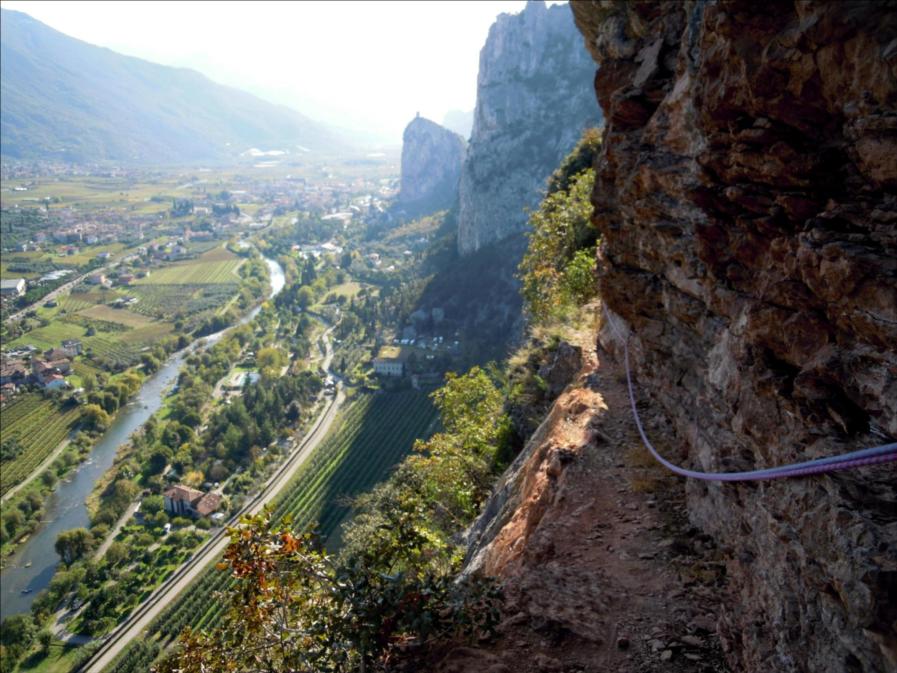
{"x":64,"y":99}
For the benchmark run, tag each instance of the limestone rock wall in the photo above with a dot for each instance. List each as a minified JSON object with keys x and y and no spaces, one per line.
{"x":431,"y":164}
{"x":747,"y":198}
{"x":534,"y":99}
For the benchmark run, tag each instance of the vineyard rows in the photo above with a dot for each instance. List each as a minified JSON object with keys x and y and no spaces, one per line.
{"x":112,"y":352}
{"x":40,"y":426}
{"x":373,"y":434}
{"x":196,"y":273}
{"x":76,"y":302}
{"x":164,"y":301}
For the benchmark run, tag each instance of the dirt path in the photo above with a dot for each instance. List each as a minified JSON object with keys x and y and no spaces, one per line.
{"x":110,"y":537}
{"x":601,"y":570}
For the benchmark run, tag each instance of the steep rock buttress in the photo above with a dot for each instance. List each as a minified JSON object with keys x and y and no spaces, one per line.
{"x":534,"y":100}
{"x":746,"y":198}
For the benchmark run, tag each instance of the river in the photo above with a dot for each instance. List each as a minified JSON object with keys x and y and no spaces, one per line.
{"x":66,"y":506}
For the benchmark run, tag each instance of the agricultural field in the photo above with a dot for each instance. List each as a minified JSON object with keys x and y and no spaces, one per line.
{"x":370,"y":438}
{"x":118,"y":334}
{"x":111,"y":353}
{"x":38,"y":425}
{"x":166,"y":301}
{"x":49,"y":336}
{"x":89,"y":193}
{"x":347,"y":290}
{"x":148,"y":334}
{"x":51,"y":258}
{"x":116,"y":315}
{"x":78,"y":301}
{"x":213,"y":267}
{"x":89,"y":252}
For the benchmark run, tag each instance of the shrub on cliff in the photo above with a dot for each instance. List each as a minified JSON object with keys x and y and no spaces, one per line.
{"x":558,"y":265}
{"x":295,"y":608}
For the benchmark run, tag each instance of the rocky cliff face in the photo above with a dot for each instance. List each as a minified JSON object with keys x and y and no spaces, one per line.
{"x":431,"y":165}
{"x":533,"y":101}
{"x":746,"y":196}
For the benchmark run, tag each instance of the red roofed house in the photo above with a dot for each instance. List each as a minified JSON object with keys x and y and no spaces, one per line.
{"x":182,"y":500}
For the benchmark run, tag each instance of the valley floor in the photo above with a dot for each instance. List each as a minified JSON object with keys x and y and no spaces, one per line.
{"x":601,"y":569}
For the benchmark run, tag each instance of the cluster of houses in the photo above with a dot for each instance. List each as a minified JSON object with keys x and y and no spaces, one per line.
{"x":317,"y":250}
{"x":47,"y":372}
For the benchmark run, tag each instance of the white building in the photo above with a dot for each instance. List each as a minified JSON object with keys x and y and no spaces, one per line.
{"x":390,"y":362}
{"x":12,"y":288}
{"x":389,"y":367}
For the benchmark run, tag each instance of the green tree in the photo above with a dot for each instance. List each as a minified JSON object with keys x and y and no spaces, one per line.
{"x":305,"y":297}
{"x":45,"y":638}
{"x":72,"y":545}
{"x":16,"y":636}
{"x":158,"y":459}
{"x":152,"y":504}
{"x":124,"y":492}
{"x":13,"y":520}
{"x":270,"y":361}
{"x":10,"y":448}
{"x":95,"y":417}
{"x":116,"y":553}
{"x":88,"y":382}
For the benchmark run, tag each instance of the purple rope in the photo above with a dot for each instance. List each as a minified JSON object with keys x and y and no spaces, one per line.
{"x":885,"y":453}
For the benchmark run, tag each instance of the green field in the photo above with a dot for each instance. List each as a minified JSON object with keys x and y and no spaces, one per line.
{"x":50,"y":336}
{"x":117,"y":349}
{"x":166,"y":301}
{"x":215,"y":266}
{"x":95,"y":192}
{"x":60,"y":659}
{"x":74,"y":302}
{"x":112,"y":352}
{"x":119,"y":315}
{"x":39,"y":425}
{"x":369,"y":439}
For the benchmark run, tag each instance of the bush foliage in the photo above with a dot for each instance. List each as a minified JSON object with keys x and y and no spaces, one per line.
{"x":558,"y":267}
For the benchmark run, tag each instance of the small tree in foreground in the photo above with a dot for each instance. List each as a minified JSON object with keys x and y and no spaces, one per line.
{"x":294,"y":608}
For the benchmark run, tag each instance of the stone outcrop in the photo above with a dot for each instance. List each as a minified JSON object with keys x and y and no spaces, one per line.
{"x":431,"y":165}
{"x":534,"y":99}
{"x":746,"y":199}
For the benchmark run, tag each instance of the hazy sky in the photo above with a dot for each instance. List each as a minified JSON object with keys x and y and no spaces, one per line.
{"x":367,"y":65}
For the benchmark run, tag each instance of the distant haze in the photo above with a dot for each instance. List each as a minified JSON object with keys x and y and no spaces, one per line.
{"x":459,"y":121}
{"x":365,"y":66}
